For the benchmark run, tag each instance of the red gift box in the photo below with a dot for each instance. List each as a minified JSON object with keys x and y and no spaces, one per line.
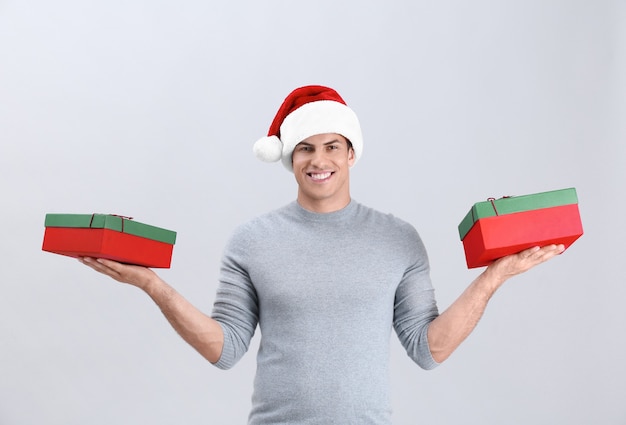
{"x":108,"y":236}
{"x":501,"y":234}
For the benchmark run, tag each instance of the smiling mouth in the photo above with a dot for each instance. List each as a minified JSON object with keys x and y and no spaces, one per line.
{"x":320,"y":176}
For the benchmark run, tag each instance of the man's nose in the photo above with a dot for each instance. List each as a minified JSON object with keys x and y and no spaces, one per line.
{"x":319,"y":157}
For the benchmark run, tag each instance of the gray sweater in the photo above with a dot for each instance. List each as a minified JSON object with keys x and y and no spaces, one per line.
{"x":325,"y":290}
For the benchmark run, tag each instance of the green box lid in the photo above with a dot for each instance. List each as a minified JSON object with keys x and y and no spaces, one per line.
{"x":113,"y":222}
{"x":513,"y":204}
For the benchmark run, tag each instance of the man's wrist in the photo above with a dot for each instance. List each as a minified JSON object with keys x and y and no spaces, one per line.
{"x":490,"y":280}
{"x":150,"y":283}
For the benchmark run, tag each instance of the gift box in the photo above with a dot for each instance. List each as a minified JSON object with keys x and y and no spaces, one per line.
{"x":108,"y":236}
{"x":498,"y":227}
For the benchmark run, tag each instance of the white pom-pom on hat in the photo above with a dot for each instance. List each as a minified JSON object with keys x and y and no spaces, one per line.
{"x":268,"y":149}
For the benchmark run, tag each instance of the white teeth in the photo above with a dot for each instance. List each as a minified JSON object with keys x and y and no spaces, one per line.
{"x":321,"y":176}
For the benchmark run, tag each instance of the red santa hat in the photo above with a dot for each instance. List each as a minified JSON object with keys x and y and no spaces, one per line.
{"x":308,"y":111}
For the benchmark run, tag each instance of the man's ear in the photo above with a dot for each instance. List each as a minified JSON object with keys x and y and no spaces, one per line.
{"x":351,"y":156}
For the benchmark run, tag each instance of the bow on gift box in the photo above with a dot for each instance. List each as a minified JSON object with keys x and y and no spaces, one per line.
{"x":493,"y":203}
{"x":114,"y":215}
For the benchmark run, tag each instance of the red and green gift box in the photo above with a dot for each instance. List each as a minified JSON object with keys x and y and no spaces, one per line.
{"x":498,"y":227}
{"x":109,"y":236}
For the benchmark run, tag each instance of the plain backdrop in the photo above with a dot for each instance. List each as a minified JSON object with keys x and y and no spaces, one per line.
{"x":150,"y":109}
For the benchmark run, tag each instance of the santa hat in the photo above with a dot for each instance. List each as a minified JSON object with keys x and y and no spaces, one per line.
{"x":308,"y":111}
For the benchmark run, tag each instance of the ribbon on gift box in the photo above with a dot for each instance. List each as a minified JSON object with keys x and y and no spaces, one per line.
{"x":114,"y":215}
{"x":493,"y":203}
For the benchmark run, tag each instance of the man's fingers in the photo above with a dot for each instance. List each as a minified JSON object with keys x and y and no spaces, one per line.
{"x":550,"y":251}
{"x":530,"y":252}
{"x":539,"y":255}
{"x":125,"y":273}
{"x":543,"y":250}
{"x":101,"y":265}
{"x":527,"y":259}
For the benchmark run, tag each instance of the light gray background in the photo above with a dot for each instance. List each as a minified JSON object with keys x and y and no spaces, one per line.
{"x":150,"y":109}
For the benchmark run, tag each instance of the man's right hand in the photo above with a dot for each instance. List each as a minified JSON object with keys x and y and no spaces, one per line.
{"x":138,"y":276}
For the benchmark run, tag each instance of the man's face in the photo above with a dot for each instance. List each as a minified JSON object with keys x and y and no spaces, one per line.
{"x":321,"y":165}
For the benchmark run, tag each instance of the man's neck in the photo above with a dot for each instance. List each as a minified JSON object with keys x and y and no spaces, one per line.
{"x":323,"y":206}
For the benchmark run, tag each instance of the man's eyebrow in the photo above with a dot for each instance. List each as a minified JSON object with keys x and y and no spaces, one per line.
{"x":325,"y":144}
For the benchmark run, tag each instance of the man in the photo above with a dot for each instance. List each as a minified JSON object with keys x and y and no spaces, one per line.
{"x":326,"y":279}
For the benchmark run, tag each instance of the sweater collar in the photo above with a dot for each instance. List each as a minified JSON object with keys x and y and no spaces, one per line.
{"x":345,"y":213}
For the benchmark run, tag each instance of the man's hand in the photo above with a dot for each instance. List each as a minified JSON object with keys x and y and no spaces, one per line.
{"x":134,"y":275}
{"x":511,"y":265}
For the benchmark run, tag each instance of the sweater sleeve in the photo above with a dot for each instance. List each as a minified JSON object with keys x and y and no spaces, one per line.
{"x":236,"y":304}
{"x":415,"y":305}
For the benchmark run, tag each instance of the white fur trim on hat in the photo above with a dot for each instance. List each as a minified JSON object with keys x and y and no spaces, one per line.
{"x":319,"y":117}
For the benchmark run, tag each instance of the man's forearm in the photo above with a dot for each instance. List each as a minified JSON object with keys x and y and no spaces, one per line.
{"x":452,"y":326}
{"x":199,"y":330}
{"x":448,"y":331}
